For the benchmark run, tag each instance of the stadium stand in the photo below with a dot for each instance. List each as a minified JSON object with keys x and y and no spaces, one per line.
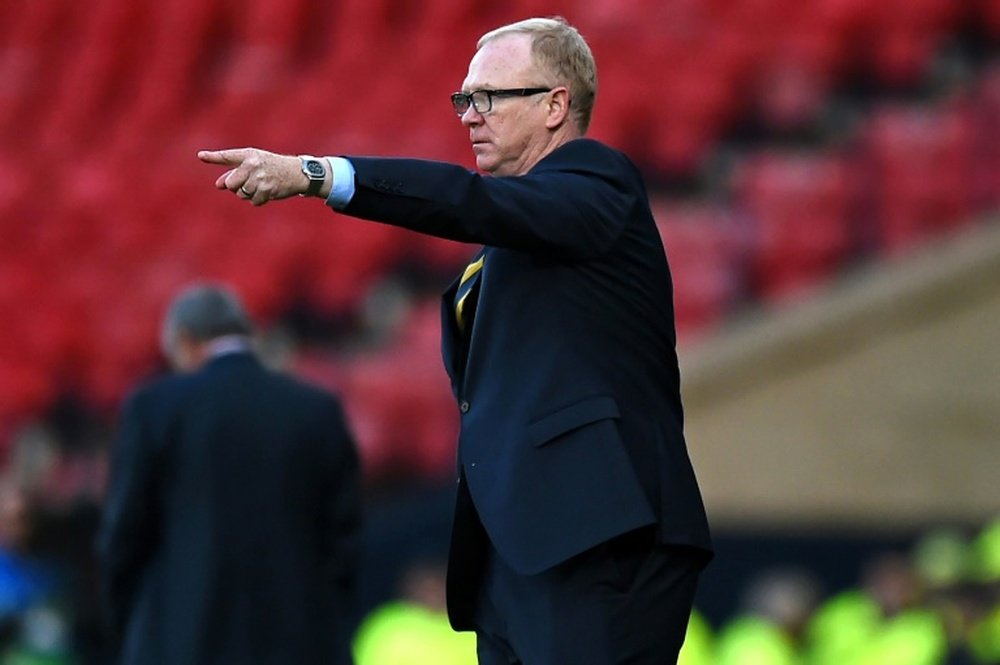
{"x":131,"y":89}
{"x":784,"y":143}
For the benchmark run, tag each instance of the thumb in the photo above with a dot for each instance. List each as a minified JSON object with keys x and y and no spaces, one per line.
{"x":232,"y":157}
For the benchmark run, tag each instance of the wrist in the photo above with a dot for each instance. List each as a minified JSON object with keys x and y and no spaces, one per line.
{"x":317,"y":175}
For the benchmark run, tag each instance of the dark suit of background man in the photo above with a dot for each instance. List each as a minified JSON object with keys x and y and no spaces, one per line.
{"x":230,"y":528}
{"x":579,"y":530}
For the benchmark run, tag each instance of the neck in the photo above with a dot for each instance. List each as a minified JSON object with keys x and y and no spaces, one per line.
{"x":559,"y":137}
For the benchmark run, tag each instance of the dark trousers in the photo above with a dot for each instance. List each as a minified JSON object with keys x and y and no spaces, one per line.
{"x":626,"y":601}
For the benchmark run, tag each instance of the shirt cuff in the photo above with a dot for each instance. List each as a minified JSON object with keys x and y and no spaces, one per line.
{"x":342,"y":189}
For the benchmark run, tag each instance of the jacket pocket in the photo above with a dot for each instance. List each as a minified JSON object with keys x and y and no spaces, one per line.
{"x":584,"y":412}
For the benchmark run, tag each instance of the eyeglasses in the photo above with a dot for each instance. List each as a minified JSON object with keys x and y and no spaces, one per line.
{"x":482,"y":100}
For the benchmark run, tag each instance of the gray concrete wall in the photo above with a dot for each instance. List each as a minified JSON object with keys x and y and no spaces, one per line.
{"x":873,"y":406}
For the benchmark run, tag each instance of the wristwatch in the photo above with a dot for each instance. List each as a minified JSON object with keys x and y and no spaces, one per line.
{"x":315,"y":170}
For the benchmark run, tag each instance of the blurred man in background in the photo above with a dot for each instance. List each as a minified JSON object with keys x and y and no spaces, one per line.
{"x":229,"y":533}
{"x":579,"y":532}
{"x":413,"y":629}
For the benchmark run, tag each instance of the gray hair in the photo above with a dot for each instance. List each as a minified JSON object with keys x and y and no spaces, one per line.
{"x":561,"y":51}
{"x":205,"y":312}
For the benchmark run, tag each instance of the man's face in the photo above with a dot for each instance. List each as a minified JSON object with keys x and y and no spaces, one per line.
{"x":510,"y":138}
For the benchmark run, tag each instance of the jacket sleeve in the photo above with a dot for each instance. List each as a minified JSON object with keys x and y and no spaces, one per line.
{"x":574,"y":203}
{"x":127,"y":534}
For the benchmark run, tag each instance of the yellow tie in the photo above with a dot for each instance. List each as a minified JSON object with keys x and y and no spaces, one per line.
{"x":470,"y":270}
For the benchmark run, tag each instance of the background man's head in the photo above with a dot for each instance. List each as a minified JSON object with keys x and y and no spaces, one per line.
{"x":196,"y":317}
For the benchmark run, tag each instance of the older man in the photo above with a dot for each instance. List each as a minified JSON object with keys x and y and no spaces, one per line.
{"x":579,"y":530}
{"x":231,"y":520}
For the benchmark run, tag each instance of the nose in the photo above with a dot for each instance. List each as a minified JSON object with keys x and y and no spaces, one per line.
{"x":471,"y":117}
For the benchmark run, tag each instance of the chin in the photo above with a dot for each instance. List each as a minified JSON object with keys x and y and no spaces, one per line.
{"x":486,"y":165}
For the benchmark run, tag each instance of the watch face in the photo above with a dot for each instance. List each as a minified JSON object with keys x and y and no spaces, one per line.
{"x":315,"y":169}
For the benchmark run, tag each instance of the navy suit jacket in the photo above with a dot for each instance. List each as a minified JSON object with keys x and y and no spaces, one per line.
{"x":229,"y":532}
{"x":568,"y":381}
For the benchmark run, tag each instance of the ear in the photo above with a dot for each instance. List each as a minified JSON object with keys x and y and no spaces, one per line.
{"x":187,"y":353}
{"x":558,"y":107}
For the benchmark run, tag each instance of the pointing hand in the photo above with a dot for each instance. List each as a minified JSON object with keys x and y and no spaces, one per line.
{"x":257,"y":175}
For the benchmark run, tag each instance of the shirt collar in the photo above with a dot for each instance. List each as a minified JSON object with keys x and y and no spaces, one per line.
{"x":227,"y":344}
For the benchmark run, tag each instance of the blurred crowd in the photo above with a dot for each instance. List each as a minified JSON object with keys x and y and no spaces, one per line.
{"x":937,"y":603}
{"x":934,"y":602}
{"x":790,"y":140}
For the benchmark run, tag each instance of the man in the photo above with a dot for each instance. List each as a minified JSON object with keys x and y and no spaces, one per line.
{"x":229,"y":533}
{"x":579,"y":529}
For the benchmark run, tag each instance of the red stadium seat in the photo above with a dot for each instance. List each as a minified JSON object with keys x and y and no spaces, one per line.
{"x":128,"y":90}
{"x":26,"y":388}
{"x":696,"y":102}
{"x":706,"y":250}
{"x":989,"y":15}
{"x":173,"y":63}
{"x":347,"y":256}
{"x":984,"y":111}
{"x":921,"y":159}
{"x":401,"y":408}
{"x":800,"y":205}
{"x":39,"y":40}
{"x":79,"y":110}
{"x":905,"y":34}
{"x":794,"y":80}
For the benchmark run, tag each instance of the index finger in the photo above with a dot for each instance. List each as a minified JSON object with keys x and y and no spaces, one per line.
{"x":232,"y":157}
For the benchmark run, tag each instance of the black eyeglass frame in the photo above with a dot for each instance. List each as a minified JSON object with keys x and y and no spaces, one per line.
{"x":466,"y":100}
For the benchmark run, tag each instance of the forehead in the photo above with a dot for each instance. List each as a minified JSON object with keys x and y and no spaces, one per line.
{"x":504,"y":62}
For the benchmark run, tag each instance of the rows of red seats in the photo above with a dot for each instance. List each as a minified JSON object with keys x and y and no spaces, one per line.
{"x":106,"y":212}
{"x":794,"y":218}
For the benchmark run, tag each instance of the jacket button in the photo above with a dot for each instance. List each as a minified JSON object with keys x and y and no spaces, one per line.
{"x":464,"y":407}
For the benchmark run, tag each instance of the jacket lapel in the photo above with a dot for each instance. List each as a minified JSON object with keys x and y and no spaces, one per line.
{"x":452,"y":336}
